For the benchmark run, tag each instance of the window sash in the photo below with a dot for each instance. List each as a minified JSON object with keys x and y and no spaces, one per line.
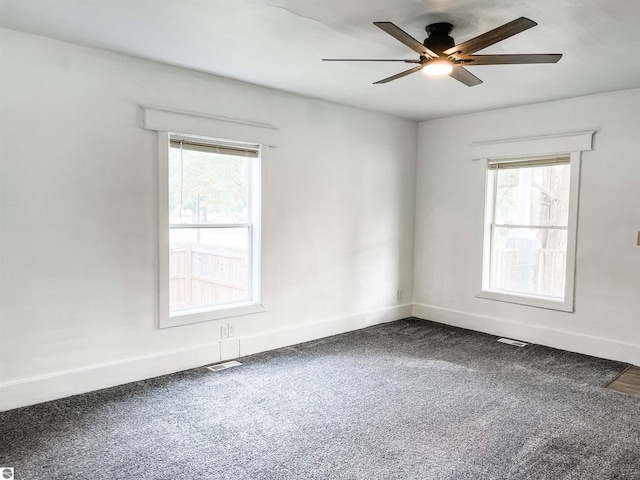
{"x":567,"y":302}
{"x":177,"y":311}
{"x":522,"y":163}
{"x":539,"y":162}
{"x":254,"y":304}
{"x":215,"y":146}
{"x":540,"y":280}
{"x":220,"y":148}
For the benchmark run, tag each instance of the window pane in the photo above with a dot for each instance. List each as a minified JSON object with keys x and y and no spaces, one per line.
{"x":533,"y":196}
{"x":208,"y":267}
{"x":529,"y":261}
{"x":207,"y":187}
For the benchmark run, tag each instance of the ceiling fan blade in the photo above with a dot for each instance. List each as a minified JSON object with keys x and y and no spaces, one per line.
{"x":493,"y":36}
{"x":399,"y":75}
{"x":367,"y":60}
{"x":399,"y":34}
{"x":510,"y":59}
{"x":465,"y":76}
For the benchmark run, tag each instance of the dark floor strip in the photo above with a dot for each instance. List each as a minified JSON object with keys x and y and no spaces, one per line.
{"x":627,"y":382}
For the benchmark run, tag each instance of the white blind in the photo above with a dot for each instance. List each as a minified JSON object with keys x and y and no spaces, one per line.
{"x":239,"y":150}
{"x":503,"y":163}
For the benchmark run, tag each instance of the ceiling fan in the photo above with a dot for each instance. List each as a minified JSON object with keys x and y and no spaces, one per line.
{"x":439,"y":55}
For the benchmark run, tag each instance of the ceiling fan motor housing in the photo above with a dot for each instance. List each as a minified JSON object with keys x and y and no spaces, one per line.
{"x":438,"y":39}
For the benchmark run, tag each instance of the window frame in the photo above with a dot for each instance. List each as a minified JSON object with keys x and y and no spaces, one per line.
{"x":518,"y":149}
{"x":254,"y":304}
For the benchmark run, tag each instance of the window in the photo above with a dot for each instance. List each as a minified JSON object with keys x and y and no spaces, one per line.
{"x":530,"y":221}
{"x":209,"y":219}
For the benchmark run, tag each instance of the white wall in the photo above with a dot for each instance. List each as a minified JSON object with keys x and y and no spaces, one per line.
{"x":78,"y":239}
{"x":449,"y":226}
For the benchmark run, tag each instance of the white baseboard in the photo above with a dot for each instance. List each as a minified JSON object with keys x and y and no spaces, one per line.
{"x":72,"y":382}
{"x":34,"y":390}
{"x":550,"y":337}
{"x":229,"y":349}
{"x":293,"y":335}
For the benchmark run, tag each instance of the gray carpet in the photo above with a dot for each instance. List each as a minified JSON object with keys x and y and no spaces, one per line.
{"x":406,"y":400}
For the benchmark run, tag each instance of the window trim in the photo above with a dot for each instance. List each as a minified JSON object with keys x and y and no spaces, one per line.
{"x":572,"y":144}
{"x":255,"y":305}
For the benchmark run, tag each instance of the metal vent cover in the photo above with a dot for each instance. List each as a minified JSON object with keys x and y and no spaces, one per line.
{"x":224,"y":366}
{"x":515,"y":343}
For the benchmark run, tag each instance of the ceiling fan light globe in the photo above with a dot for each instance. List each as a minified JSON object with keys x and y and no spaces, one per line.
{"x":437,"y":68}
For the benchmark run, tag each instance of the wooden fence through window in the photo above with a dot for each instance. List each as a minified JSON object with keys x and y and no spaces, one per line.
{"x":206,"y":275}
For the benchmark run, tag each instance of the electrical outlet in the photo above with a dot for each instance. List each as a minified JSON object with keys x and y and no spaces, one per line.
{"x":224,"y":331}
{"x":399,"y":294}
{"x":232,"y":330}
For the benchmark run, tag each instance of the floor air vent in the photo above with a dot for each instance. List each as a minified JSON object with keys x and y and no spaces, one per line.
{"x":224,"y":366}
{"x":515,"y":343}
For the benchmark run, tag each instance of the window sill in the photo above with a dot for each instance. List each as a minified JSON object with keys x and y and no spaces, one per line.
{"x":531,"y":301}
{"x":227,"y":311}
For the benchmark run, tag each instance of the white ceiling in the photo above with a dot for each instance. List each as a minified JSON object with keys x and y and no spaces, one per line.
{"x":280,"y":44}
